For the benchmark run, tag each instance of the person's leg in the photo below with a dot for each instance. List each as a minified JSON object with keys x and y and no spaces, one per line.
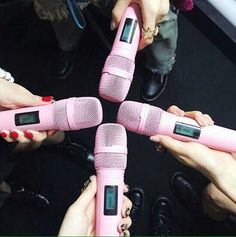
{"x":66,"y":31}
{"x":216,"y":204}
{"x":68,"y":35}
{"x":160,"y":57}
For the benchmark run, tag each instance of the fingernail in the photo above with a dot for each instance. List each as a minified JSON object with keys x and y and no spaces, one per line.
{"x":124,"y":227}
{"x":127,"y":186}
{"x":14,"y":134}
{"x":127,"y":212}
{"x":86,"y":184}
{"x":3,"y":134}
{"x":155,"y":139}
{"x":28,"y":134}
{"x":113,"y":25}
{"x":47,"y":98}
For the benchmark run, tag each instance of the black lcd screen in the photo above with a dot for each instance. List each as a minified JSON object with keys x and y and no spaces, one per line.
{"x":128,"y":30}
{"x":110,"y":200}
{"x":27,"y":118}
{"x":187,"y":130}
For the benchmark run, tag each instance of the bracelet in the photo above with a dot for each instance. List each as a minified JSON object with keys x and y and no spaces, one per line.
{"x":6,"y":75}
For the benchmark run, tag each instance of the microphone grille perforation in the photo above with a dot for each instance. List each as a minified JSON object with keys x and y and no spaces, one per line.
{"x":129,"y":115}
{"x":87,"y":112}
{"x":116,"y":87}
{"x":60,"y":115}
{"x":110,"y":136}
{"x":117,"y":61}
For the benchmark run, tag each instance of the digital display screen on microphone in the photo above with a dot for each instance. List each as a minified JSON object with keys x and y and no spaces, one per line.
{"x":187,"y":130}
{"x":128,"y":30}
{"x":27,"y":118}
{"x":110,"y":200}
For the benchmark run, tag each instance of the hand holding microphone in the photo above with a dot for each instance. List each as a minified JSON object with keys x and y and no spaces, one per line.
{"x":118,"y":70}
{"x":80,"y":217}
{"x":110,"y":164}
{"x":149,"y":120}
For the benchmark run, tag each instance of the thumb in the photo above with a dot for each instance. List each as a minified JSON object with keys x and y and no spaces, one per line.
{"x":118,"y":11}
{"x":87,"y":195}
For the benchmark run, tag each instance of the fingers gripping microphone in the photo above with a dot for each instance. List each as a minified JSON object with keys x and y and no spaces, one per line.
{"x":110,"y":163}
{"x":67,"y":114}
{"x":118,"y":70}
{"x":148,"y":120}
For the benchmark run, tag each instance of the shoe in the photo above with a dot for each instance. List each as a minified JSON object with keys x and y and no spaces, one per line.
{"x":136,"y":196}
{"x":63,"y":64}
{"x":186,"y":193}
{"x":20,"y":193}
{"x":162,"y":217}
{"x":79,"y":152}
{"x":153,"y":86}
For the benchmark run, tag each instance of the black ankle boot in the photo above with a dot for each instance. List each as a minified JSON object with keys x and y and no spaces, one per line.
{"x":136,"y":196}
{"x":78,"y":152}
{"x":63,"y":64}
{"x":153,"y":85}
{"x":162,"y":217}
{"x":187,"y":194}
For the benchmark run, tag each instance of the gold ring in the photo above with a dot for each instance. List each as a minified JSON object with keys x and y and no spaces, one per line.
{"x":160,"y":148}
{"x":149,"y":33}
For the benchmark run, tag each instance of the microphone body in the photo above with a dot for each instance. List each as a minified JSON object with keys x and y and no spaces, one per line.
{"x":118,"y":70}
{"x":110,"y":163}
{"x":149,"y":120}
{"x":67,"y":114}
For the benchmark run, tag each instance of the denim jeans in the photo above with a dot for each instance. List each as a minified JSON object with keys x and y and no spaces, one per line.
{"x":160,"y":55}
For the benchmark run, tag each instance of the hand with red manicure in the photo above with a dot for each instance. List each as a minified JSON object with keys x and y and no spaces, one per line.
{"x":13,"y":96}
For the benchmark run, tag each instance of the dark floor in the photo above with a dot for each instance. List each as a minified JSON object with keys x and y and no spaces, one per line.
{"x":203,"y":79}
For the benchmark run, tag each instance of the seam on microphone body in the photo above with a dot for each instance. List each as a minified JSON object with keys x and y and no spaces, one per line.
{"x":143,"y":117}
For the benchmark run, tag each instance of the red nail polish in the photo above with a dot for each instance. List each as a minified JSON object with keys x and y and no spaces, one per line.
{"x":28,"y":135}
{"x":14,"y":134}
{"x":47,"y":98}
{"x":3,"y":134}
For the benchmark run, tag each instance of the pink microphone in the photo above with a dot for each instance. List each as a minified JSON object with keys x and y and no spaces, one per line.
{"x":110,"y":163}
{"x":118,"y":70}
{"x":67,"y":114}
{"x":148,"y":120}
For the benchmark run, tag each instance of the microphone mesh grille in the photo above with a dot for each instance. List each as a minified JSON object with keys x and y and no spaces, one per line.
{"x":113,"y":87}
{"x":122,"y":63}
{"x":60,"y":115}
{"x":87,"y":112}
{"x":109,"y":135}
{"x":129,"y":116}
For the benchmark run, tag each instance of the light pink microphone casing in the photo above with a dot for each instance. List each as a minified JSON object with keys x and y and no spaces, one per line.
{"x":118,"y":70}
{"x":67,"y":114}
{"x":149,"y":120}
{"x":110,"y":164}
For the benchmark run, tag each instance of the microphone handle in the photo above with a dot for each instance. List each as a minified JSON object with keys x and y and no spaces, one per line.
{"x":188,"y":130}
{"x":109,"y":201}
{"x":38,"y":118}
{"x":128,"y":34}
